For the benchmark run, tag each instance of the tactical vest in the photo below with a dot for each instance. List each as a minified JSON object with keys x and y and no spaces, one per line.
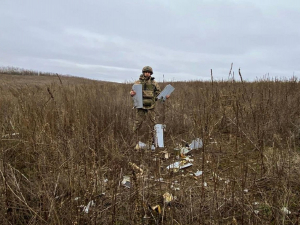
{"x":148,"y":93}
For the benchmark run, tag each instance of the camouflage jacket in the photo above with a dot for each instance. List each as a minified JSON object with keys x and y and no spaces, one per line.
{"x":151,"y":90}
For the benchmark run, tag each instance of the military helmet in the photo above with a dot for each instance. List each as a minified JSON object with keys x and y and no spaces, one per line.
{"x":147,"y":69}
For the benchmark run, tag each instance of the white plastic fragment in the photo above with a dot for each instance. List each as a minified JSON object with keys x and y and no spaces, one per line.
{"x":184,"y":150}
{"x":141,"y":145}
{"x":188,"y":159}
{"x":159,"y":135}
{"x":138,"y":97}
{"x":246,"y":190}
{"x":256,"y":212}
{"x":77,"y":198}
{"x":285,"y":211}
{"x":198,"y":173}
{"x":256,"y":203}
{"x":205,"y":184}
{"x":179,"y":165}
{"x":167,"y":155}
{"x":87,"y":207}
{"x":197,"y":143}
{"x":174,"y":165}
{"x":186,"y":165}
{"x":167,"y":91}
{"x":227,"y":181}
{"x":126,"y":182}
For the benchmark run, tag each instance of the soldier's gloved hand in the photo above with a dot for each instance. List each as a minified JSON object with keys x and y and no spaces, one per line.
{"x":132,"y":93}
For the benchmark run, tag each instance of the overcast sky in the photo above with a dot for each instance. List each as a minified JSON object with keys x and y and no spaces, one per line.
{"x":113,"y":39}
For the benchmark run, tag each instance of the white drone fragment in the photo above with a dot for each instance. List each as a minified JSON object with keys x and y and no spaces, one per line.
{"x":126,"y":182}
{"x":87,"y":207}
{"x":159,"y":135}
{"x":198,"y":173}
{"x":197,"y":143}
{"x":285,"y":211}
{"x":179,"y":165}
{"x":167,"y":91}
{"x":138,"y":97}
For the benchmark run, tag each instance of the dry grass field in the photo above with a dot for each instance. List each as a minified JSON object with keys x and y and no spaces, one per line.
{"x":66,"y":146}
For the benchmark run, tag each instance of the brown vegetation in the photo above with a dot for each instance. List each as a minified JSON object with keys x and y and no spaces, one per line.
{"x":66,"y":142}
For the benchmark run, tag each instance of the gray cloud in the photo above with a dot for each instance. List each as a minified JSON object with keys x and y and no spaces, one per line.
{"x":113,"y":40}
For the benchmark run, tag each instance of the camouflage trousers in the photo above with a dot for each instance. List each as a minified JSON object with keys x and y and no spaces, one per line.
{"x":147,"y":115}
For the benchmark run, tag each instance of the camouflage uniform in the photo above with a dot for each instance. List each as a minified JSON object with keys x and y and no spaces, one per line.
{"x":151,"y":90}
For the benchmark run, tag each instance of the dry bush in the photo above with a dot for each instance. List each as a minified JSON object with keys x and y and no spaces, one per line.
{"x":66,"y":142}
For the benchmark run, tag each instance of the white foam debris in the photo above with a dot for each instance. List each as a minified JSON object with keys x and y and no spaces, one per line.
{"x":197,"y":143}
{"x":198,"y":173}
{"x":285,"y":211}
{"x":87,"y":207}
{"x":179,"y":165}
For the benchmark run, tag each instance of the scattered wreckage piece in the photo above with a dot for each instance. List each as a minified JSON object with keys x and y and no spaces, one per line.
{"x":167,"y":155}
{"x":197,"y":143}
{"x":141,"y":145}
{"x":138,"y":97}
{"x":198,"y":173}
{"x":126,"y":182}
{"x":167,"y":91}
{"x":159,"y":135}
{"x":184,"y":150}
{"x":179,"y":165}
{"x":87,"y":207}
{"x":187,"y":158}
{"x":285,"y":211}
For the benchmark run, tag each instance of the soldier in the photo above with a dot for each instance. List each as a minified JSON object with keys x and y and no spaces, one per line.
{"x":151,"y":90}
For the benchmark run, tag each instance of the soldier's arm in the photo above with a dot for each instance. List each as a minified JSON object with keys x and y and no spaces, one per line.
{"x":157,"y":89}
